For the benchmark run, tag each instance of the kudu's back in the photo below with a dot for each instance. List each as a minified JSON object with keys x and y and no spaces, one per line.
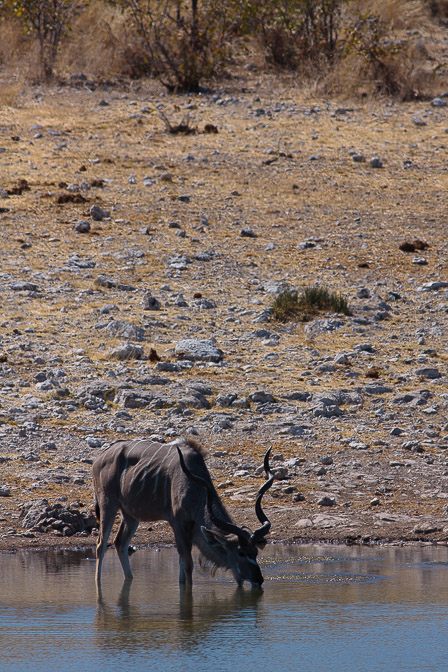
{"x":144,"y":479}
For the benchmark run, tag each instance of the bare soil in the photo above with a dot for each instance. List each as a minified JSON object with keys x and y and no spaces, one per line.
{"x":284,"y":194}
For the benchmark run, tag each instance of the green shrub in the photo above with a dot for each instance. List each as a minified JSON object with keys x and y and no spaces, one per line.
{"x":321,"y":298}
{"x":285,"y":306}
{"x":292,"y":305}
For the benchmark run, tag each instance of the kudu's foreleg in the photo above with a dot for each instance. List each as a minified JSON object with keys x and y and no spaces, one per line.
{"x":127,"y":530}
{"x":184,"y":545}
{"x":107,"y":517}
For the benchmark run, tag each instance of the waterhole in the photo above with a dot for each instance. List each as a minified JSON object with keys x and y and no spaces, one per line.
{"x":322,"y":608}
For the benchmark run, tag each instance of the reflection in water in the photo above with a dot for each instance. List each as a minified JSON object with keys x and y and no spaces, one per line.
{"x":360,"y":609}
{"x":127,"y":623}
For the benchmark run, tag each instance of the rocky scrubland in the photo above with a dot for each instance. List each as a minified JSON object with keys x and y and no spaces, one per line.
{"x":139,"y":263}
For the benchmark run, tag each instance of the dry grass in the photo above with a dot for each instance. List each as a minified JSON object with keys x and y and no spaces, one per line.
{"x":406,"y":59}
{"x":18,"y":57}
{"x":12,"y":44}
{"x":408,"y":75}
{"x":101,"y":45}
{"x":97,"y":43}
{"x":397,"y":14}
{"x":10,"y":93}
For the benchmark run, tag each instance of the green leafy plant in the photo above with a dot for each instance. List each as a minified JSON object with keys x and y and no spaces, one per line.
{"x":292,"y":305}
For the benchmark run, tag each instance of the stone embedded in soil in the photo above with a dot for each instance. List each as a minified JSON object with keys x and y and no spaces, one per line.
{"x":376,"y":162}
{"x":322,"y":326}
{"x":303,"y":523}
{"x":321,"y":410}
{"x":247,"y":232}
{"x":433,"y":286}
{"x":104,"y":281}
{"x":261,"y":397}
{"x":41,"y":516}
{"x":428,"y":372}
{"x":438,"y":102}
{"x":127,"y":351}
{"x":98,"y":214}
{"x":180,"y":262}
{"x":82,"y":226}
{"x":198,"y":350}
{"x":326,"y":501}
{"x":150,"y":302}
{"x":122,"y":329}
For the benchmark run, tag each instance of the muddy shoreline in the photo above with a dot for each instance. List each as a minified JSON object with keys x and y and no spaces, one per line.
{"x":284,"y":531}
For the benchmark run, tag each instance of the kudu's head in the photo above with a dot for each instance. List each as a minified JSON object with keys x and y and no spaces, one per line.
{"x":234,"y":547}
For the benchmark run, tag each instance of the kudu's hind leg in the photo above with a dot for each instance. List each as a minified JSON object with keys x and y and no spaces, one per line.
{"x":127,"y":530}
{"x":107,"y":517}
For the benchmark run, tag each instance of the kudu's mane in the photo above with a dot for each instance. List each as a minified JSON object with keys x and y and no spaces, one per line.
{"x":195,"y":445}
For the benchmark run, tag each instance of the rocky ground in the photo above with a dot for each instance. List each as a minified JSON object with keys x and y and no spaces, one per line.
{"x":138,"y":269}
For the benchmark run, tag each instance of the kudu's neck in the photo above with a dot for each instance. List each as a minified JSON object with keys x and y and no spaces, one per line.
{"x":205,"y":520}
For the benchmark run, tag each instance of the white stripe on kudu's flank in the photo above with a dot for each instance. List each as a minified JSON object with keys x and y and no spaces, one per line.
{"x":167,"y":480}
{"x":142,"y":486}
{"x":146,"y":469}
{"x":123,"y":473}
{"x":156,"y":480}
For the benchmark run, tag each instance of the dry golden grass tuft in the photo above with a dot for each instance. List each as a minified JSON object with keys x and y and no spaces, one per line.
{"x":9,"y":93}
{"x":13,"y":44}
{"x":397,"y":14}
{"x":97,"y":44}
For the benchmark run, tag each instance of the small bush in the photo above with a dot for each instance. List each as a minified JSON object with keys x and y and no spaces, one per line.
{"x":285,"y":306}
{"x":381,"y":50}
{"x":184,"y":41}
{"x":292,"y":32}
{"x":367,"y":38}
{"x":49,"y":21}
{"x":321,"y":298}
{"x":290,"y":305}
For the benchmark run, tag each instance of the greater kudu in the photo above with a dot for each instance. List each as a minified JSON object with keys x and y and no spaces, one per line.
{"x":149,"y":481}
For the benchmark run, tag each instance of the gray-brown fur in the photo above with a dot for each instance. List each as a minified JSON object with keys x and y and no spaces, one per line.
{"x":143,"y":480}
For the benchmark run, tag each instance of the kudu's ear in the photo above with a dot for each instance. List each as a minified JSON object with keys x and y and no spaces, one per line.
{"x":213,"y":538}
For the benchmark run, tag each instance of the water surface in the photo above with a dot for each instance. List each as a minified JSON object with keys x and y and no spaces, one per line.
{"x":322,"y":608}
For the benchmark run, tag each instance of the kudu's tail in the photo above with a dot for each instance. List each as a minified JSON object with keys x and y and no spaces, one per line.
{"x":97,"y":510}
